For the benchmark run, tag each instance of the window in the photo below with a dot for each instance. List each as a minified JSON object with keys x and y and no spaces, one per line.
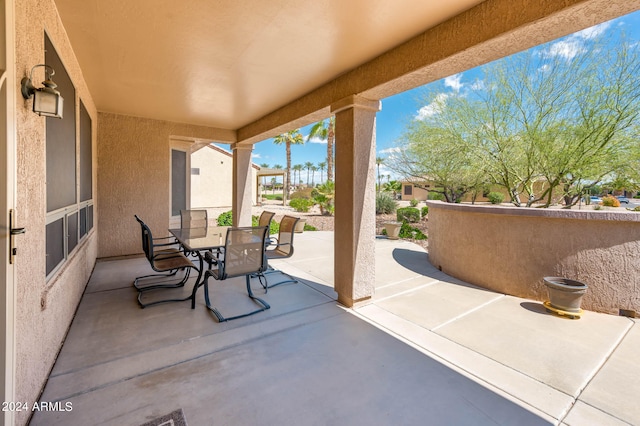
{"x":408,"y":190}
{"x":178,"y":181}
{"x":69,"y":172}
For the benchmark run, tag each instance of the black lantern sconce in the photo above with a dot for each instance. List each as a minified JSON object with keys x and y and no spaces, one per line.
{"x":47,"y":100}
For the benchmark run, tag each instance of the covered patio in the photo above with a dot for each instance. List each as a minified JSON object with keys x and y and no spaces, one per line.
{"x":145,"y":80}
{"x":427,"y":349}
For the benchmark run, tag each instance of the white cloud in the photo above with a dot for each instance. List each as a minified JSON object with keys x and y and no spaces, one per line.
{"x":434,"y":108}
{"x":594,"y":31}
{"x":454,"y":82}
{"x":256,"y":155}
{"x":567,"y":49}
{"x":573,"y":45}
{"x":390,"y":150}
{"x":545,"y":68}
{"x":316,"y":140}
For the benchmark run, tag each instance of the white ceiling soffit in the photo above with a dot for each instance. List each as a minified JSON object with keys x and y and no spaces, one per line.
{"x":227,"y":63}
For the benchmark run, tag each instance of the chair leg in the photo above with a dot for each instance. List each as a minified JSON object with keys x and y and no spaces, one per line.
{"x":157,"y":287}
{"x":273,"y":271}
{"x":151,"y":286}
{"x":219,"y":317}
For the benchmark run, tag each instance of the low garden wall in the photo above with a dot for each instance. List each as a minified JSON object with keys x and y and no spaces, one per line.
{"x":510,"y":250}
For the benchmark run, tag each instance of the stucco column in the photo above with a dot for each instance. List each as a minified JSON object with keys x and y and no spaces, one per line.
{"x":355,"y":224}
{"x":241,"y":202}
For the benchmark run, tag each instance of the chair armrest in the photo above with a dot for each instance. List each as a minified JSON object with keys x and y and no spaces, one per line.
{"x":211,"y":258}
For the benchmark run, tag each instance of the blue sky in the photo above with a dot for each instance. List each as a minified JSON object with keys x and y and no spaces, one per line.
{"x":400,"y":109}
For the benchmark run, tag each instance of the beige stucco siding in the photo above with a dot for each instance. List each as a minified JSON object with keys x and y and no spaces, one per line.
{"x":44,"y":309}
{"x":510,"y":250}
{"x":134,"y":156}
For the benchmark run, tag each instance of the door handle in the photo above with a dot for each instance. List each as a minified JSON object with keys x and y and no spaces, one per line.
{"x":13,"y":251}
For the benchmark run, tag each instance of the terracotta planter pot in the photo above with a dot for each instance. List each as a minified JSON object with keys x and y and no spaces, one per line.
{"x":393,"y":230}
{"x":565,"y":295}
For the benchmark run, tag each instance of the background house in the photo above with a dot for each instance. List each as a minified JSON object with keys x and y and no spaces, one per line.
{"x":211,"y":178}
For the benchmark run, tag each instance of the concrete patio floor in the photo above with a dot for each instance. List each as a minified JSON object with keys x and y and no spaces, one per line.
{"x":427,"y":349}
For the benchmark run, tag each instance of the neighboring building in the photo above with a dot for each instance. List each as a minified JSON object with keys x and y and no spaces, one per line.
{"x":415,"y":190}
{"x":211,"y":178}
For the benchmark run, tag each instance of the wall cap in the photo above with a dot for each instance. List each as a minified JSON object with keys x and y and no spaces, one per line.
{"x":606,"y":215}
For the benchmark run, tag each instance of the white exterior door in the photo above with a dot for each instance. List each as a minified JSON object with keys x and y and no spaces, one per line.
{"x":7,"y":204}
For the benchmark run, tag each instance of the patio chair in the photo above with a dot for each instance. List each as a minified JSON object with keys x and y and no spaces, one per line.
{"x":243,"y":255}
{"x":164,"y":259}
{"x":193,"y":219}
{"x":265,"y":220}
{"x":282,"y":247}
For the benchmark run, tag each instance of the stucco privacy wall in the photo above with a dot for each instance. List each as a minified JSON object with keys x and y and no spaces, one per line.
{"x":134,"y":157}
{"x":510,"y":250}
{"x":44,"y":309}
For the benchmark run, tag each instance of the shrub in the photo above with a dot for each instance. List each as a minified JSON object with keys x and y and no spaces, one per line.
{"x":610,"y":201}
{"x":323,"y":196}
{"x":408,"y":231}
{"x":635,"y":209}
{"x":424,"y":211}
{"x":301,"y":204}
{"x":413,"y":203}
{"x":385,"y":204}
{"x":274,"y":227}
{"x":302,"y":193}
{"x":436,"y":196}
{"x":408,"y":214}
{"x":495,"y":197}
{"x":225,"y":219}
{"x":308,"y":227}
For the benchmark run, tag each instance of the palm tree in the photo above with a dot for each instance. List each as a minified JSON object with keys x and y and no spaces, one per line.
{"x":325,"y":131}
{"x":292,"y":137}
{"x":314,"y":169}
{"x":322,"y":166}
{"x":308,"y":165}
{"x":297,"y":168}
{"x":379,"y":160}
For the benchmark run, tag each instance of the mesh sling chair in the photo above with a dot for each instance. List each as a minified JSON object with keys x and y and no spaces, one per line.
{"x":194,"y":219}
{"x":165,"y":260}
{"x":265,"y":220}
{"x":243,"y":255}
{"x":282,"y":247}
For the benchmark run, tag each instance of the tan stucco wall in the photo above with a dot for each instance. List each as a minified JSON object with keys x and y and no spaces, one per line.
{"x":510,"y":250}
{"x":213,"y":186}
{"x":44,"y":309}
{"x":134,"y":157}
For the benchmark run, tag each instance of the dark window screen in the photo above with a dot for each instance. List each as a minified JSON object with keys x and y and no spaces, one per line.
{"x":61,"y":137}
{"x":55,"y":244}
{"x":85,"y":155}
{"x":72,"y":231}
{"x":408,"y":190}
{"x":83,"y":222}
{"x":178,"y":181}
{"x":89,"y":218}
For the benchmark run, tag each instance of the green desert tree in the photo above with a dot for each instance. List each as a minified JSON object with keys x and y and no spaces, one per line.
{"x":543,"y":123}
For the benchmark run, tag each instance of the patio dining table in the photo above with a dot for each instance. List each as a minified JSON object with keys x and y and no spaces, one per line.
{"x":198,"y":240}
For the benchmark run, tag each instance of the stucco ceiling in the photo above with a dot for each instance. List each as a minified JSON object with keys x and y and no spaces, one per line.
{"x":226,"y":63}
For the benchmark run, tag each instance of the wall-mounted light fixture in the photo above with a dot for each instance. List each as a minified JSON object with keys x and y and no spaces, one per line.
{"x":47,"y":100}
